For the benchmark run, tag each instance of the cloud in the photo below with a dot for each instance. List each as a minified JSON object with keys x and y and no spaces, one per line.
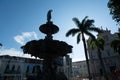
{"x":14,"y":52}
{"x":24,"y":36}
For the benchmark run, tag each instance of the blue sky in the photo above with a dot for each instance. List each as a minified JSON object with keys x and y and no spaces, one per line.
{"x":20,"y":21}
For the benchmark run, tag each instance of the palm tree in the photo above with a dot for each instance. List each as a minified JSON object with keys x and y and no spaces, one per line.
{"x":83,"y":28}
{"x":115,"y":44}
{"x":99,"y":44}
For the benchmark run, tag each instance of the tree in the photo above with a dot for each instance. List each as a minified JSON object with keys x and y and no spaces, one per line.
{"x":84,"y":27}
{"x":99,"y":44}
{"x":115,"y":44}
{"x":114,"y":7}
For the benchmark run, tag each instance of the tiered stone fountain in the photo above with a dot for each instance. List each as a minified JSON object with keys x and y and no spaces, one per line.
{"x":47,"y":49}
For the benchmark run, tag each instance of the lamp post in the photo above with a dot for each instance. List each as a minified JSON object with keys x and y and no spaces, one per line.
{"x":0,"y":60}
{"x":1,"y":45}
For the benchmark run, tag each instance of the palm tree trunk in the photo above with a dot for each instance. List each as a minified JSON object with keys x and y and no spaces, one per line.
{"x":86,"y":56}
{"x":102,"y":65}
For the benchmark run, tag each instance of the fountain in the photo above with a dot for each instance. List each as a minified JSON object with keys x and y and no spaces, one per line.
{"x":47,"y":49}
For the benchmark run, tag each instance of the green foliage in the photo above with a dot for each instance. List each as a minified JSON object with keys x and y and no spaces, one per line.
{"x":114,"y":7}
{"x":97,"y":43}
{"x":115,"y":44}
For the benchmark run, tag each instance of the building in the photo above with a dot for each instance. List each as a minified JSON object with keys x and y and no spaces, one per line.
{"x":18,"y":68}
{"x":64,"y":65}
{"x":67,"y":61}
{"x":79,"y":70}
{"x":110,"y":58}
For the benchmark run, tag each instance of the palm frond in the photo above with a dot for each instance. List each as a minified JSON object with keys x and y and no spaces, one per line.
{"x":92,"y":44}
{"x":100,"y":42}
{"x":72,"y":32}
{"x":97,"y":43}
{"x":117,"y":35}
{"x":115,"y":43}
{"x":84,"y":20}
{"x":95,"y":29}
{"x":90,"y":34}
{"x":77,"y":22}
{"x":88,"y":23}
{"x":78,"y":38}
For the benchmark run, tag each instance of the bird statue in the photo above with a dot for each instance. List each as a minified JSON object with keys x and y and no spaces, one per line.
{"x":49,"y":15}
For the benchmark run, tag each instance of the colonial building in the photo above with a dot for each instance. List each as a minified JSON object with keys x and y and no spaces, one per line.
{"x":67,"y":66}
{"x":79,"y":70}
{"x":110,"y":58}
{"x":18,"y":68}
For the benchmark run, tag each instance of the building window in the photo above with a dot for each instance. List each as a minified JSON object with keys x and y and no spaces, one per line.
{"x":101,"y":72}
{"x":13,"y":69}
{"x":108,"y":52}
{"x":27,"y":71}
{"x":7,"y":69}
{"x":18,"y":70}
{"x":80,"y":66}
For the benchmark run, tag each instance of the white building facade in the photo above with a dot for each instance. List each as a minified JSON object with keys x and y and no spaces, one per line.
{"x":110,"y":58}
{"x":79,"y":70}
{"x":18,"y":68}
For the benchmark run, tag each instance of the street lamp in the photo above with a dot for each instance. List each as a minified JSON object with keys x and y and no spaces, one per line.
{"x":0,"y":45}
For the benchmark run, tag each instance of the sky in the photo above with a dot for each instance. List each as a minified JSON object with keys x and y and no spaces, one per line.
{"x":20,"y":21}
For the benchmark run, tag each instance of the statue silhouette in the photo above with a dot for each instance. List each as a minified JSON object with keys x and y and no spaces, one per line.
{"x":49,"y":15}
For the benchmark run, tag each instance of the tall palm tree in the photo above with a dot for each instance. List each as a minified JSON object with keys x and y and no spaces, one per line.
{"x":84,"y":27}
{"x":99,"y":44}
{"x":115,"y":44}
